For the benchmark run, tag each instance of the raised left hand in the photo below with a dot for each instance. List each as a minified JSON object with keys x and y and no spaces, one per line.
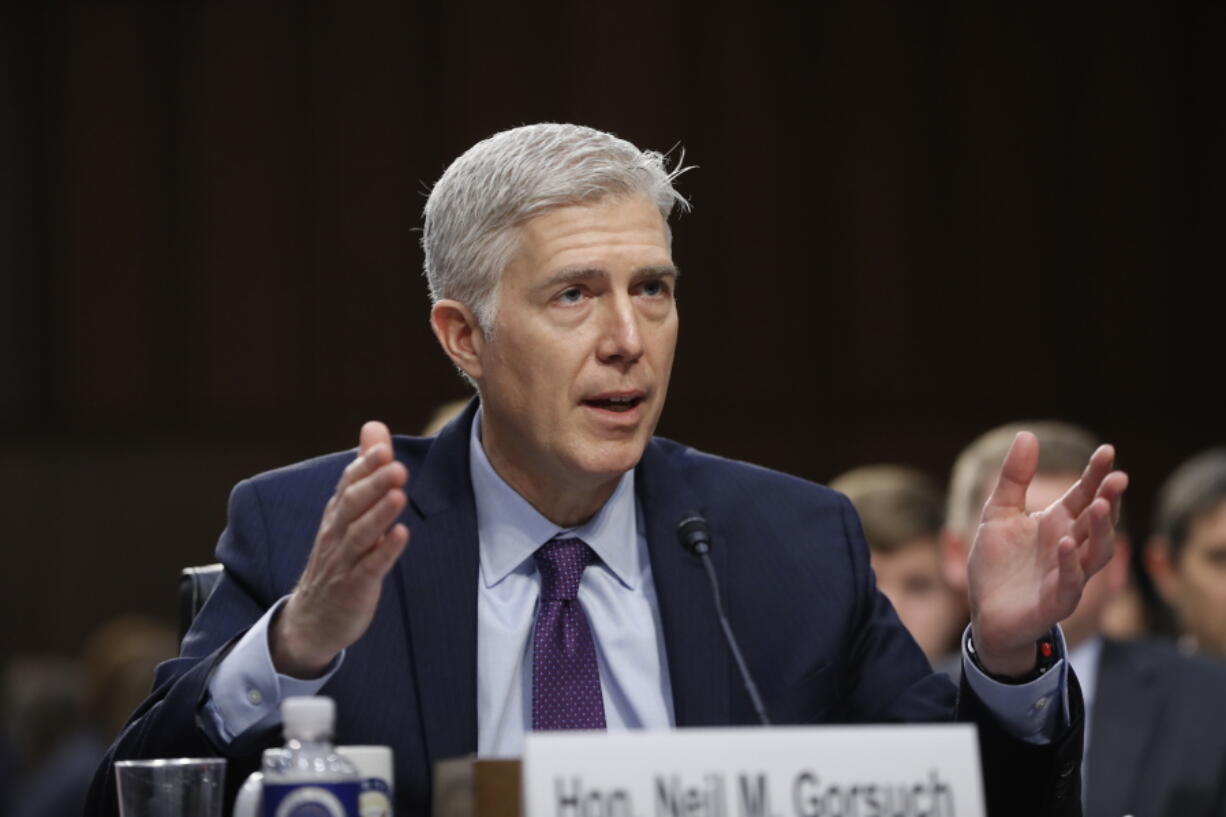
{"x":1026,"y":571}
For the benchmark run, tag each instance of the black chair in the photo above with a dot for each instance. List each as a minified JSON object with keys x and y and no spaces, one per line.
{"x":195,"y":586}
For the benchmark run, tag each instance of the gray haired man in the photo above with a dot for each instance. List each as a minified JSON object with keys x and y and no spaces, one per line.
{"x":544,"y":586}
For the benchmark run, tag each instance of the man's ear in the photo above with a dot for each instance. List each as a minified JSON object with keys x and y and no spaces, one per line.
{"x":459,"y":334}
{"x":953,"y":560}
{"x":1161,"y":567}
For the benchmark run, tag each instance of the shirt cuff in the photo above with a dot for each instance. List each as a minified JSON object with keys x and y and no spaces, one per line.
{"x":1034,"y":711}
{"x":246,"y":690}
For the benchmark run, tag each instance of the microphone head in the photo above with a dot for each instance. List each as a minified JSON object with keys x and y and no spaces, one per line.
{"x":694,"y":534}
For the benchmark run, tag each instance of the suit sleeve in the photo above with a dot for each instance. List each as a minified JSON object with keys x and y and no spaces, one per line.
{"x":1023,"y":778}
{"x":894,"y":683}
{"x":169,"y":723}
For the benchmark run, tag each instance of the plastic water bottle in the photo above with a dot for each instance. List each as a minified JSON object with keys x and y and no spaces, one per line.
{"x":308,"y":778}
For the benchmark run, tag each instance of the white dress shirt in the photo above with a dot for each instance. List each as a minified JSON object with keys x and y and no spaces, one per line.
{"x":616,"y":592}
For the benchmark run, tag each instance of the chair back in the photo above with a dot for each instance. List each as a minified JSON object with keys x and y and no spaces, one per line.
{"x":195,"y":586}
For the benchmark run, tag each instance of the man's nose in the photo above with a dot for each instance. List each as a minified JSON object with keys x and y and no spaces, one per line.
{"x":621,"y":340}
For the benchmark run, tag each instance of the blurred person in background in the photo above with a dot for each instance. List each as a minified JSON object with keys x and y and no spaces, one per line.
{"x":902,"y":513}
{"x":1186,"y":555}
{"x":1155,"y":742}
{"x":78,"y":709}
{"x":8,"y":770}
{"x":41,"y":708}
{"x":1127,"y":614}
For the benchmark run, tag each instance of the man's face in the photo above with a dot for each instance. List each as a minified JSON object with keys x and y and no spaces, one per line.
{"x":1200,"y":581}
{"x":910,"y":577}
{"x":574,"y":376}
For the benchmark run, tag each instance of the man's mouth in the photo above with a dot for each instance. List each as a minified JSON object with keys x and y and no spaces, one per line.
{"x":615,"y":402}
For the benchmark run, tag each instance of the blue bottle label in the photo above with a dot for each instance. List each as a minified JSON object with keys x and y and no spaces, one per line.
{"x":311,"y":799}
{"x":375,"y":799}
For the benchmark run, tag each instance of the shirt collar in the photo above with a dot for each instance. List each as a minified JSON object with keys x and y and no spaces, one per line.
{"x":510,"y":529}
{"x":1084,"y":658}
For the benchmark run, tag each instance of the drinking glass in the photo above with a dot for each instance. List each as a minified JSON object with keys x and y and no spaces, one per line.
{"x":176,"y":787}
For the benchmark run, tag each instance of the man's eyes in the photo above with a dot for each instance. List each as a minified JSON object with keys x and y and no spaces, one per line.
{"x":654,"y":288}
{"x":919,"y":585}
{"x":1216,"y":557}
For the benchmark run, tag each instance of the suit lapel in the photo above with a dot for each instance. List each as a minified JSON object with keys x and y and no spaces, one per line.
{"x":438,"y":581}
{"x":698,"y":661}
{"x":1128,"y":707}
{"x":438,"y":574}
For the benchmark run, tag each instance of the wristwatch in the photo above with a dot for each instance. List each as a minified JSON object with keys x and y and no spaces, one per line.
{"x":1045,"y":659}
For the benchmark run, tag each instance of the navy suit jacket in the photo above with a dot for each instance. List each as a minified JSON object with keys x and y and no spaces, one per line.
{"x":824,"y":646}
{"x":1157,"y":734}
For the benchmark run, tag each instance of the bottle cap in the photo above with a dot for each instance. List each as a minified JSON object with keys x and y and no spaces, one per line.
{"x":308,"y":717}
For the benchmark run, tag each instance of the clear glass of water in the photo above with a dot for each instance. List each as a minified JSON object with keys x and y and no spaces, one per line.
{"x":176,"y":787}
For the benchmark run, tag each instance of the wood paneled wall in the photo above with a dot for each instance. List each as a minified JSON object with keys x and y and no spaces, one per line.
{"x":912,"y":221}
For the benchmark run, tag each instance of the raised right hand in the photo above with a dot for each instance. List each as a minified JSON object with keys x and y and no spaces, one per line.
{"x":335,"y":599}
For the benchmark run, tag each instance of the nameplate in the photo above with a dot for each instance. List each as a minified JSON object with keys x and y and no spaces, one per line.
{"x":820,"y":771}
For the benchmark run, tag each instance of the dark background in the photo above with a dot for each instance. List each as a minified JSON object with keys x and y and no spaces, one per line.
{"x":912,"y":222}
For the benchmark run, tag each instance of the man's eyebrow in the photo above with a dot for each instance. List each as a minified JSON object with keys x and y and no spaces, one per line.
{"x":662,"y":271}
{"x":572,"y":275}
{"x":578,"y":275}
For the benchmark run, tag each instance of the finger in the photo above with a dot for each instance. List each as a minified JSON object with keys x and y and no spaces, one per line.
{"x":1016,"y":472}
{"x":1071,"y":579}
{"x":1100,"y":545}
{"x":1080,"y":530}
{"x":363,"y":465}
{"x":374,"y":432}
{"x":1083,"y":491}
{"x":365,"y":531}
{"x":1112,"y":490}
{"x":356,"y":499}
{"x":380,"y":558}
{"x":1094,"y":534}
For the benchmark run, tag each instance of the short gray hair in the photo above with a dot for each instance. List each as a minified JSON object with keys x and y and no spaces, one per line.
{"x":473,"y":212}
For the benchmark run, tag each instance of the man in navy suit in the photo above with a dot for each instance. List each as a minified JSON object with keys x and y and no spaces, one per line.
{"x":548,"y":255}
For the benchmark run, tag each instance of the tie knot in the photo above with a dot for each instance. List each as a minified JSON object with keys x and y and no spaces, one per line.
{"x":561,"y":562}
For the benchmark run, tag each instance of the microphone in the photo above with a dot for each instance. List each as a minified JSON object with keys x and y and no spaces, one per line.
{"x":695,"y":536}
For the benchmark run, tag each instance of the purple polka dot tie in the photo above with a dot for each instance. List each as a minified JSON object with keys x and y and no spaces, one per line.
{"x":565,"y":679}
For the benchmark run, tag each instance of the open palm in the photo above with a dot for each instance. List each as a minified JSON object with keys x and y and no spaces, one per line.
{"x":1026,"y":571}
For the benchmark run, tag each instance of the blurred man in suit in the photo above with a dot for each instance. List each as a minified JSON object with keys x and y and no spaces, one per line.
{"x":544,"y":587}
{"x":1155,"y":743}
{"x":902,"y":512}
{"x":1186,"y":556}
